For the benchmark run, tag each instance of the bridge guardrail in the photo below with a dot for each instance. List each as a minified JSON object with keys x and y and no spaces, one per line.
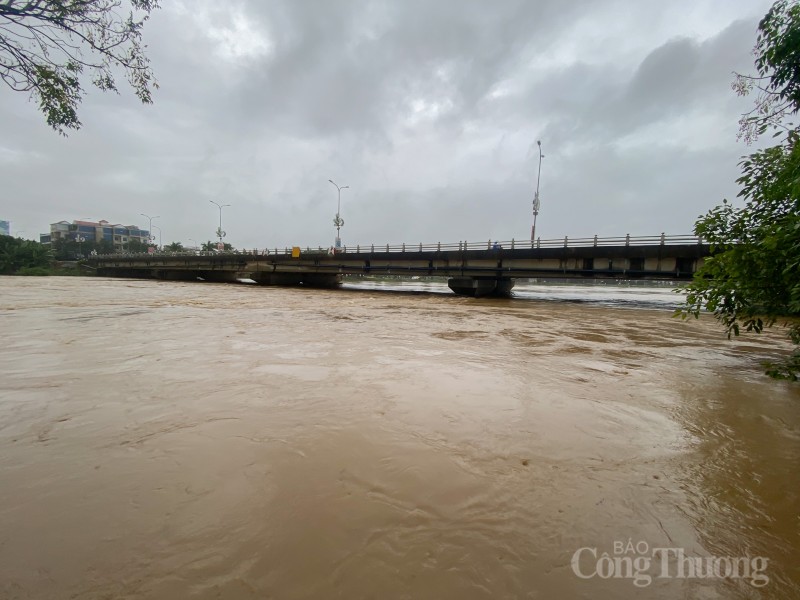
{"x":565,"y":242}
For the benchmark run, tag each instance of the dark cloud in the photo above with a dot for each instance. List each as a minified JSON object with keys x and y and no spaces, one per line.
{"x":428,"y":110}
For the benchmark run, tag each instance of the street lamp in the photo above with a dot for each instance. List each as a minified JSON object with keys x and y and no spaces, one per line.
{"x":80,"y":239}
{"x":536,"y":201}
{"x":338,"y":221}
{"x":220,"y":233}
{"x":159,"y":236}
{"x":150,"y":226}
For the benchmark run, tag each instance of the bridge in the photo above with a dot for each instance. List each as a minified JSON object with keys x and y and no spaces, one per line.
{"x":472,"y":269}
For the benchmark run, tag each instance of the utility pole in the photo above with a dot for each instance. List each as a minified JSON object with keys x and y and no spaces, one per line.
{"x":150,"y":226}
{"x":338,"y":221}
{"x":536,"y":201}
{"x":220,"y":232}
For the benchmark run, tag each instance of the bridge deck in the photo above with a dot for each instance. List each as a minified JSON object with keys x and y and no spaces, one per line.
{"x":675,"y":261}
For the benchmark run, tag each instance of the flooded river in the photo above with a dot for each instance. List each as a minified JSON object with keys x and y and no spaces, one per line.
{"x":188,"y":440}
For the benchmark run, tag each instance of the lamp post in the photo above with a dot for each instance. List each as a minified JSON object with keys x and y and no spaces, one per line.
{"x":220,"y":233}
{"x":338,"y":221}
{"x":150,"y":226}
{"x":159,"y":236}
{"x":536,"y":201}
{"x":80,"y":239}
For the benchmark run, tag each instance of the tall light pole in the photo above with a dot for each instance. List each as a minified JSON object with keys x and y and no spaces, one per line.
{"x":159,"y":236}
{"x":536,"y":201}
{"x":220,"y":233}
{"x":338,"y":221}
{"x":150,"y":226}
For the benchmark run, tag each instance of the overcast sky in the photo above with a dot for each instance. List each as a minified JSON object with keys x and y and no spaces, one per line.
{"x":428,"y":109}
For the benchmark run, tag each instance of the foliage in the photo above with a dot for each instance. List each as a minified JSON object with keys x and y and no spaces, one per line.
{"x":68,"y":249}
{"x":54,"y":270}
{"x":212,"y":247}
{"x":35,"y":271}
{"x":174,"y":247}
{"x":752,"y":279}
{"x":16,"y":254}
{"x":134,"y":245}
{"x":46,"y":45}
{"x":777,"y":81}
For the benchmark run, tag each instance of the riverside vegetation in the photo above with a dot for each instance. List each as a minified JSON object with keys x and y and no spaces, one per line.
{"x":26,"y":257}
{"x":752,"y":281}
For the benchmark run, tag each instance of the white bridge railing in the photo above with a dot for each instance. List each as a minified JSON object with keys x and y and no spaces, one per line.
{"x":565,"y":242}
{"x":462,"y":246}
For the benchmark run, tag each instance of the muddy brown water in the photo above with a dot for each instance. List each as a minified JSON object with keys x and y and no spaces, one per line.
{"x":189,"y":440}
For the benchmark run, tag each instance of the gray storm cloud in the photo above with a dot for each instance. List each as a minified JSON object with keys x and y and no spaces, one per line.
{"x":428,"y":110}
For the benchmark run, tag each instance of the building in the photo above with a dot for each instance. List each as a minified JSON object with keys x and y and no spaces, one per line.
{"x":5,"y":228}
{"x":90,"y":231}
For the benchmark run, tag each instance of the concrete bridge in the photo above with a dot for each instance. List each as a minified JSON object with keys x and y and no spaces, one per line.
{"x":473,"y":269}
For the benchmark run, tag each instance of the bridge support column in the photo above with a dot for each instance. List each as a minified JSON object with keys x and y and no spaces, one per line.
{"x":319,"y":280}
{"x":322,"y":280}
{"x":270,"y":278}
{"x":127,"y":273}
{"x":176,"y":275}
{"x":475,"y":287}
{"x":221,"y":276}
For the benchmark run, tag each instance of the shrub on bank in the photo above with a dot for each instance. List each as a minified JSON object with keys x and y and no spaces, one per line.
{"x":16,"y":254}
{"x":25,"y":257}
{"x":53,"y":271}
{"x":34,"y":271}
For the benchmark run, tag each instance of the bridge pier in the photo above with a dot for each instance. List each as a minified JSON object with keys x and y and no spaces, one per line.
{"x":317,"y":280}
{"x":218,"y":276}
{"x":322,"y":280}
{"x":126,"y":273}
{"x":270,"y":278}
{"x":175,"y":275}
{"x":477,"y":287}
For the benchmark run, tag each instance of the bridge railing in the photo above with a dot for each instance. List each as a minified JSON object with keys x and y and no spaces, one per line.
{"x":565,"y":242}
{"x":462,"y":246}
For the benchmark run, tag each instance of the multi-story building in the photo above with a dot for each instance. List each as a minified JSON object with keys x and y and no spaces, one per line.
{"x":117,"y":235}
{"x":5,"y":228}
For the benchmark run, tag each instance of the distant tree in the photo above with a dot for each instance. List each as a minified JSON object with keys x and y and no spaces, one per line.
{"x":67,"y":249}
{"x":135,"y":245}
{"x":16,"y":254}
{"x":62,"y":249}
{"x":212,"y":247}
{"x":46,"y":45}
{"x":174,"y":247}
{"x":104,"y":247}
{"x":752,"y":279}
